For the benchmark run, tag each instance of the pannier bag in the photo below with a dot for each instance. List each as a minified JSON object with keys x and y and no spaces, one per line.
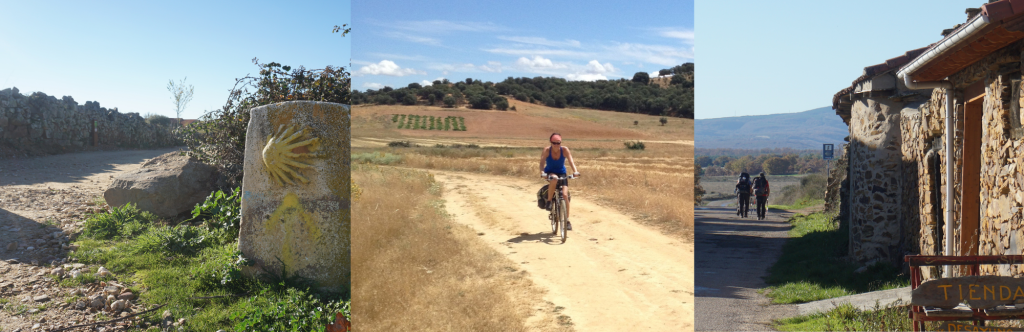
{"x":542,"y":197}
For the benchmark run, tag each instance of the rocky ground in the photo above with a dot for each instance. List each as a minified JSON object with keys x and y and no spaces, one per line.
{"x":43,"y":203}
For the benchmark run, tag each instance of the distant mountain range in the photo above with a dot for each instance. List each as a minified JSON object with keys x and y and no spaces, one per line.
{"x":803,"y":130}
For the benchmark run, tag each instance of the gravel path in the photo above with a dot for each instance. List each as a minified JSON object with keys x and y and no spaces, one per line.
{"x":43,"y":203}
{"x":732,"y":257}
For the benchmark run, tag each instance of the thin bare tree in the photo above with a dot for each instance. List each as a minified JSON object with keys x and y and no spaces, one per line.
{"x":181,"y":95}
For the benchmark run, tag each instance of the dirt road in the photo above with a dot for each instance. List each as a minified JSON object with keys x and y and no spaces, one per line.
{"x":733,"y":255}
{"x":612,"y":274}
{"x":42,"y":201}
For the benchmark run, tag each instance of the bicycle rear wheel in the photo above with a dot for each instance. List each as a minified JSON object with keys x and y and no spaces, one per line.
{"x":553,"y":215}
{"x":562,"y":217}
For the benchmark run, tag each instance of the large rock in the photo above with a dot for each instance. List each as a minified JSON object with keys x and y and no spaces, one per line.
{"x":295,"y":192}
{"x":166,"y":185}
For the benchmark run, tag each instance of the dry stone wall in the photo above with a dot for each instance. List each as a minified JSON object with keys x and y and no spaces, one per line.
{"x":875,"y":167}
{"x":39,"y":124}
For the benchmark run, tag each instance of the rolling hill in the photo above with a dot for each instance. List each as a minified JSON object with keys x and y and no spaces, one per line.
{"x":802,"y":130}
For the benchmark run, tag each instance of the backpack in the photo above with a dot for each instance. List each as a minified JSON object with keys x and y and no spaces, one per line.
{"x":542,"y":197}
{"x":743,"y":186}
{"x":759,"y":186}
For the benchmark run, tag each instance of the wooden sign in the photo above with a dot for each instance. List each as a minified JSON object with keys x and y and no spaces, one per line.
{"x":979,"y":292}
{"x":968,"y":326}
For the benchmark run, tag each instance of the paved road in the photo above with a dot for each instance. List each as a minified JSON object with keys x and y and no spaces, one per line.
{"x":732,"y":256}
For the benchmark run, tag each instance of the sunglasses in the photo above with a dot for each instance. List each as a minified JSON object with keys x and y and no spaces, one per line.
{"x":556,"y":143}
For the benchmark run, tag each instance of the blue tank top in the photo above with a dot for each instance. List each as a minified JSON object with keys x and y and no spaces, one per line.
{"x":553,"y":165}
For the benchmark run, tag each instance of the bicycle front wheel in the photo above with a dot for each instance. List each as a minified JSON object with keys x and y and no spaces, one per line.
{"x":553,"y":215}
{"x":563,"y":215}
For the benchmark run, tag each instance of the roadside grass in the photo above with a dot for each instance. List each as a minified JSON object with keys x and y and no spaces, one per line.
{"x":174,"y":264}
{"x":650,"y":185}
{"x":799,"y":204}
{"x":416,"y":270}
{"x":812,"y":266}
{"x":846,"y":317}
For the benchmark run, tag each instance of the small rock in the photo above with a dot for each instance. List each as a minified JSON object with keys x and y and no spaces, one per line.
{"x":96,"y":301}
{"x":117,"y":305}
{"x":58,"y":271}
{"x":42,"y":319}
{"x":126,"y":296}
{"x":124,"y":314}
{"x":77,"y":292}
{"x":110,"y":299}
{"x":77,"y":265}
{"x":41,"y":298}
{"x":32,"y":311}
{"x":103,"y":272}
{"x":111,"y":290}
{"x":30,"y":248}
{"x":35,"y":326}
{"x":12,"y":246}
{"x":76,"y":274}
{"x":13,"y":261}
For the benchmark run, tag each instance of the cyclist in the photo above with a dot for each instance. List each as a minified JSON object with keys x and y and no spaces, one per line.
{"x":743,"y":193}
{"x":762,"y":191}
{"x":552,"y":166}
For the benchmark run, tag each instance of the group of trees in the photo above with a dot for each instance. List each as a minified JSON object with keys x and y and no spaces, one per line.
{"x":769,"y":163}
{"x":633,"y":96}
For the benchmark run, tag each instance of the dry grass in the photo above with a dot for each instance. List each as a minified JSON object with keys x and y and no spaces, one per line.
{"x":415,"y":270}
{"x":656,"y":187}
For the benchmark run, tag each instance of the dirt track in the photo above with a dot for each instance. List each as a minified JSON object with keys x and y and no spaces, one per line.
{"x":612,"y":274}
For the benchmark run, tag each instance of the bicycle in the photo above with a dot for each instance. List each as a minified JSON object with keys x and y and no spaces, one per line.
{"x":557,"y":213}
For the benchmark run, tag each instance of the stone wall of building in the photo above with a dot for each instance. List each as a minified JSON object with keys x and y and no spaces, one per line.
{"x":875,"y":172}
{"x":1002,"y":182}
{"x":39,"y":124}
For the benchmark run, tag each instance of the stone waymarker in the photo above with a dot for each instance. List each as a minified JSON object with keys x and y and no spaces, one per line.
{"x":295,"y":192}
{"x":979,"y":292}
{"x":968,"y":326}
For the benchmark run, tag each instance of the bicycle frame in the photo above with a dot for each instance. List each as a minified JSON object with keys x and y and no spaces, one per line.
{"x":558,"y":213}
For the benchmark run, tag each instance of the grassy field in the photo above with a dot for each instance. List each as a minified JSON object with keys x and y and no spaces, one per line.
{"x":811,"y":266}
{"x":409,"y":258}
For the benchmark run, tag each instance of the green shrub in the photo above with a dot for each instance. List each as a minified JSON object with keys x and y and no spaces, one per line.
{"x":221,"y":212}
{"x":447,"y":124}
{"x":400,"y":144}
{"x":394,"y":118}
{"x":120,"y":222}
{"x":181,"y":239}
{"x":220,"y":268}
{"x":431,"y":123}
{"x":376,"y":158}
{"x":449,"y":101}
{"x":292,"y":310}
{"x":636,"y":145}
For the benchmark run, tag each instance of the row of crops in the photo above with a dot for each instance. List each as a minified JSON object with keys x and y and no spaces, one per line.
{"x":448,"y":123}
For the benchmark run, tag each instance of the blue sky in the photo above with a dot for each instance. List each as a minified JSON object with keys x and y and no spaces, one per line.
{"x":122,"y":53}
{"x":401,"y":42}
{"x":766,"y":57}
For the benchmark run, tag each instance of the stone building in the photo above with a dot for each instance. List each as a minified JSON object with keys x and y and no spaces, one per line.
{"x":903,"y":187}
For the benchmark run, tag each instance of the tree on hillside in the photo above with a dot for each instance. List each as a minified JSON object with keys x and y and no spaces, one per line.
{"x":776,"y":165}
{"x":449,"y":101}
{"x":501,"y":105}
{"x":664,"y":72}
{"x":641,"y":77}
{"x":663,"y":120}
{"x":181,"y":95}
{"x":415,"y":85}
{"x":677,"y":79}
{"x":704,"y":161}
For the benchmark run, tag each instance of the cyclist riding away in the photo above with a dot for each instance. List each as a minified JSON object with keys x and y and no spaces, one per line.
{"x":552,"y":165}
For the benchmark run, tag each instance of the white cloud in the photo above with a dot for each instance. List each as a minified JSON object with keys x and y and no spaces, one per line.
{"x":442,"y":26}
{"x":686,"y":36}
{"x":657,"y":54}
{"x":386,"y":67}
{"x":592,"y":71}
{"x":490,"y":67}
{"x":538,"y":62}
{"x":542,"y":41}
{"x":413,"y":38}
{"x":426,"y":83}
{"x":374,"y":86}
{"x":544,"y":52}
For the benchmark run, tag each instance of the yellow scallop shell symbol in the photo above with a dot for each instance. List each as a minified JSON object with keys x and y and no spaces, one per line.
{"x":281,"y":152}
